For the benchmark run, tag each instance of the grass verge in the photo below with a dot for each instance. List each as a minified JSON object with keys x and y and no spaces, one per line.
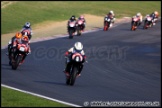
{"x":13,"y":98}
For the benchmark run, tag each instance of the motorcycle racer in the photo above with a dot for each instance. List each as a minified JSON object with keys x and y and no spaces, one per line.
{"x":72,"y":19}
{"x":27,"y":27}
{"x":140,"y":18}
{"x":111,"y":15}
{"x":78,"y":47}
{"x":84,"y":21}
{"x":139,"y":15}
{"x":155,"y":16}
{"x":25,"y":40}
{"x":13,"y":42}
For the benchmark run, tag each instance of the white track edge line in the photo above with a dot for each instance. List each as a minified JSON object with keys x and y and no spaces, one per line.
{"x":38,"y":95}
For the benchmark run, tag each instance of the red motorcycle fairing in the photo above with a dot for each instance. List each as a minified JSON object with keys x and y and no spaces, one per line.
{"x":134,"y":23}
{"x":107,"y":22}
{"x":18,"y":55}
{"x":80,"y":27}
{"x":22,"y":47}
{"x":80,"y":22}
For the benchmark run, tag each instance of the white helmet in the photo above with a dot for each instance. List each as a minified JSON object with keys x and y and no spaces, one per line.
{"x":111,"y":12}
{"x":78,"y":46}
{"x":155,"y":12}
{"x":138,"y":14}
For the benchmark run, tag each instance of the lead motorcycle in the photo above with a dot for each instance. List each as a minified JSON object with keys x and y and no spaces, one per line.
{"x":107,"y":23}
{"x":71,"y":29}
{"x":17,"y":54}
{"x":148,"y":22}
{"x":76,"y":59}
{"x":79,"y":27}
{"x":134,"y":23}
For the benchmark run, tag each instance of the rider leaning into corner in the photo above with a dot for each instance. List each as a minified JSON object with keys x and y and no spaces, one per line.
{"x":27,"y":26}
{"x":78,"y":47}
{"x":140,"y":17}
{"x":111,"y":15}
{"x":155,"y":16}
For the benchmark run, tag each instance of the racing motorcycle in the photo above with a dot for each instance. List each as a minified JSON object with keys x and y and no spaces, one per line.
{"x":71,"y":29}
{"x":79,"y":27}
{"x":134,"y":23}
{"x":76,"y":60}
{"x":148,"y":22}
{"x":107,"y":23}
{"x":17,"y":55}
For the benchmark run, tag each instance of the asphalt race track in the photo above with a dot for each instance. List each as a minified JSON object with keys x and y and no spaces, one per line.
{"x":123,"y":65}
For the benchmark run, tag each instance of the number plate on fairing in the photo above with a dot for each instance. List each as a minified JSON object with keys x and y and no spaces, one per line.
{"x":22,"y":49}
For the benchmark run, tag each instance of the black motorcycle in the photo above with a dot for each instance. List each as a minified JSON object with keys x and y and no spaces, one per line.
{"x":107,"y":22}
{"x":71,"y":29}
{"x":76,"y":60}
{"x":148,"y":22}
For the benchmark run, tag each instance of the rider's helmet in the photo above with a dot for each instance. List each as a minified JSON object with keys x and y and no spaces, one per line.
{"x":111,"y":12}
{"x":138,"y":14}
{"x":18,"y":35}
{"x":27,"y":24}
{"x":78,"y":46}
{"x":25,"y":39}
{"x":156,"y":13}
{"x":73,"y":17}
{"x":81,"y":16}
{"x":147,"y":15}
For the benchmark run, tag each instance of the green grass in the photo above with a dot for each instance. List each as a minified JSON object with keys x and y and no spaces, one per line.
{"x":13,"y":98}
{"x":15,"y":15}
